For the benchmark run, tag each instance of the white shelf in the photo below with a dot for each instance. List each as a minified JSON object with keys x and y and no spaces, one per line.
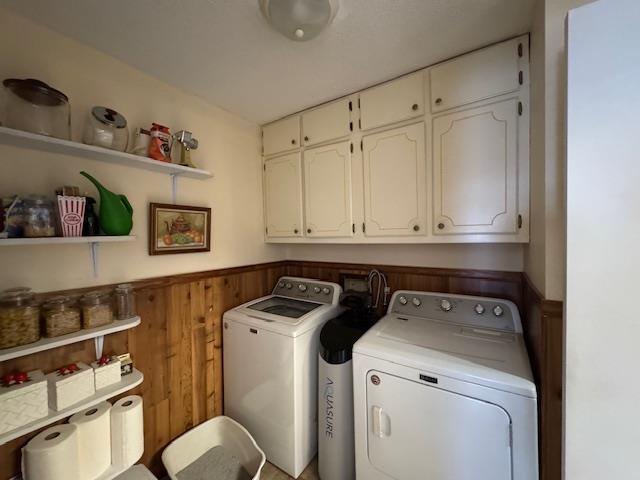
{"x":128,"y":382}
{"x":8,"y":242}
{"x":18,"y":138}
{"x":55,"y":342}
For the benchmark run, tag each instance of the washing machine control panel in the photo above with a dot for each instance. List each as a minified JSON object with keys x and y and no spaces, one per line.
{"x":476,"y":312}
{"x":304,"y":289}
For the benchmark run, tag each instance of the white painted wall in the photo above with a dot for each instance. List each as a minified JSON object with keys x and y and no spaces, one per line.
{"x":229,"y":147}
{"x":602,"y":438}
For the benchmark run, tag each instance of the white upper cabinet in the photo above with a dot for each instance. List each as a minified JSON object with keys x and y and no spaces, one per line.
{"x":398,"y":100}
{"x":483,"y":74}
{"x":395,"y":199}
{"x":326,"y":123}
{"x":475,"y":155}
{"x":327,"y":191}
{"x":281,"y":136}
{"x":283,"y":196}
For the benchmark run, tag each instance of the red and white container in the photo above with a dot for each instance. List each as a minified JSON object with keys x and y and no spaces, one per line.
{"x":71,"y":212}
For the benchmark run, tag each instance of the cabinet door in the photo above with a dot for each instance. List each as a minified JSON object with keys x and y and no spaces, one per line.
{"x":476,"y":76}
{"x":392,"y":102}
{"x":329,"y":122}
{"x":281,"y":136}
{"x":395,"y":182}
{"x":327,"y":191}
{"x":475,"y":170}
{"x":283,"y":196}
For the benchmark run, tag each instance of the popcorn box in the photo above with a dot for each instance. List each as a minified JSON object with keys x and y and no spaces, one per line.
{"x":71,"y":212}
{"x":106,"y":374}
{"x":23,"y":403}
{"x":66,"y":389}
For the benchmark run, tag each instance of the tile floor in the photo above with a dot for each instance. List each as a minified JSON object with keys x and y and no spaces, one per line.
{"x":269,"y":472}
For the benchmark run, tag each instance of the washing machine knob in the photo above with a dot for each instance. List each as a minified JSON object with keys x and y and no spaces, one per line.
{"x":479,"y":308}
{"x":288,"y":285}
{"x":326,"y":290}
{"x":416,"y":302}
{"x":445,"y":305}
{"x":498,"y":311}
{"x":316,"y":289}
{"x":402,"y":300}
{"x":302,"y":287}
{"x":281,"y":284}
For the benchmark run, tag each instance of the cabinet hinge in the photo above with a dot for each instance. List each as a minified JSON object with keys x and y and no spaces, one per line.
{"x":520,"y":51}
{"x":358,"y":103}
{"x":361,"y":147}
{"x":519,"y":221}
{"x":353,"y":227}
{"x":351,"y":147}
{"x":520,"y":108}
{"x":266,"y":230}
{"x":360,"y":124}
{"x":520,"y":77}
{"x":350,"y":106}
{"x":364,"y":227}
{"x":351,"y":126}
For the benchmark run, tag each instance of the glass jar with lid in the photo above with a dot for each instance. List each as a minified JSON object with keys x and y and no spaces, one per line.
{"x":97,"y":309}
{"x":39,"y":218}
{"x":19,"y":317}
{"x":125,"y":301}
{"x":61,"y":316}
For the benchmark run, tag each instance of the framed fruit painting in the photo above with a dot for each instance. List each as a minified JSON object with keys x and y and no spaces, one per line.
{"x":178,"y":229}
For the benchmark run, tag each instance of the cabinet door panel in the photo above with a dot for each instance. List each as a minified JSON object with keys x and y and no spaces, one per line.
{"x":281,"y":136}
{"x":326,"y":123}
{"x":476,"y":76}
{"x":395,"y":182}
{"x":475,"y":170}
{"x":283,"y":196}
{"x":392,"y":102}
{"x":327,"y":191}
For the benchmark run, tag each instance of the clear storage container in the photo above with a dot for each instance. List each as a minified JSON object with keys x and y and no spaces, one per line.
{"x":106,"y":128}
{"x":125,"y":301}
{"x":97,"y":309}
{"x":61,"y":316}
{"x":19,"y":318}
{"x":39,"y":217}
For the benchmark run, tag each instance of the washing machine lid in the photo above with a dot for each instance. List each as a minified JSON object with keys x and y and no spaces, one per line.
{"x":493,"y":358}
{"x":287,"y":310}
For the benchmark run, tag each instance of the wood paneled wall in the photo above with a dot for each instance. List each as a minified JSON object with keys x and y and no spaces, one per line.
{"x":178,"y":345}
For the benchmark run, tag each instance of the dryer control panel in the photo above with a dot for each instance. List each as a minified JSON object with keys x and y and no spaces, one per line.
{"x":479,"y":312}
{"x":306,"y":289}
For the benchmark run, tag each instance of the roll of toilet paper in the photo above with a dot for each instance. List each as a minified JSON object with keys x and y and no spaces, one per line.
{"x":127,"y":431}
{"x":94,"y":439}
{"x":52,"y":454}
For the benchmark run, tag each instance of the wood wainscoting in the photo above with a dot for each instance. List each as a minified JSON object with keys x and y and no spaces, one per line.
{"x":178,"y":346}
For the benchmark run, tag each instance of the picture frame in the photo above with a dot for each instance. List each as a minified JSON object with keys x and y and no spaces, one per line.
{"x":177,"y":229}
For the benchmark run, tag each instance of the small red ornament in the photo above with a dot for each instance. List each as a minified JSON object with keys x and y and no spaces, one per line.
{"x":72,"y":367}
{"x":8,"y":379}
{"x":104,"y":360}
{"x":14,"y":379}
{"x":21,"y":377}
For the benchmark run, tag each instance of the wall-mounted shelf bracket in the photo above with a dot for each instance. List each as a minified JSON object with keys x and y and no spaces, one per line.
{"x":99,"y":343}
{"x":174,"y":187}
{"x":93,"y":246}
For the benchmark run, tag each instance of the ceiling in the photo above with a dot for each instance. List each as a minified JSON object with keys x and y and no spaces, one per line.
{"x":224,"y":52}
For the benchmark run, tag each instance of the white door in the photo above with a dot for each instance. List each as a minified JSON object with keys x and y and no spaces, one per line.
{"x":475,"y":156}
{"x":417,"y":431}
{"x":281,"y":136}
{"x":327,"y":191}
{"x":392,"y":102}
{"x":326,"y":123}
{"x":283,"y":196}
{"x":395,"y":199}
{"x":476,"y":76}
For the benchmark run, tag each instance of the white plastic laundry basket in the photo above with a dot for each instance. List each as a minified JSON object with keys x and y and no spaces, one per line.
{"x":222,"y":431}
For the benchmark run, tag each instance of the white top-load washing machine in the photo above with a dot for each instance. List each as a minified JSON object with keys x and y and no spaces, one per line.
{"x":270,"y":361}
{"x":443,"y":390}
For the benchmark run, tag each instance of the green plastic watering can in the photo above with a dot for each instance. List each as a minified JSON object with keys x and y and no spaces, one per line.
{"x":116,"y":213}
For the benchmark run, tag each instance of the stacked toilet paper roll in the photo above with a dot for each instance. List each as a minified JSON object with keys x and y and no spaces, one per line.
{"x":94,"y":439}
{"x":52,"y":455}
{"x":127,"y":431}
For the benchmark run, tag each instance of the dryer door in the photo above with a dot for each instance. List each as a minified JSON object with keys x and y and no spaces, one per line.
{"x":416,"y":430}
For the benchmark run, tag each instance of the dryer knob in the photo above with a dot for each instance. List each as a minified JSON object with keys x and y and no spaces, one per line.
{"x":302,"y":287}
{"x":445,"y":305}
{"x":416,"y":301}
{"x":326,"y":291}
{"x":479,"y":308}
{"x":288,"y":285}
{"x":402,"y":300}
{"x":316,"y":289}
{"x":498,"y":311}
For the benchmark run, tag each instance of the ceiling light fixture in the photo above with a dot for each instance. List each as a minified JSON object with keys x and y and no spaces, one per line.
{"x":299,"y":20}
